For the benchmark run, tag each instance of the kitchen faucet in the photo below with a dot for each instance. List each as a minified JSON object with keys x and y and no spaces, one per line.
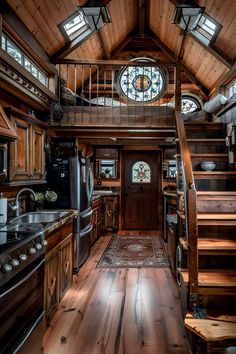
{"x":16,"y":207}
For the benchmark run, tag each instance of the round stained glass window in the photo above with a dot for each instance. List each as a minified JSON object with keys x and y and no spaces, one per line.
{"x":142,"y":83}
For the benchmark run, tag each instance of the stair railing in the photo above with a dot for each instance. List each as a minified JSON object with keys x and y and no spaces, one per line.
{"x":190,"y":210}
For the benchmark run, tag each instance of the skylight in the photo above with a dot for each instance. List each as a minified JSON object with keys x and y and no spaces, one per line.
{"x":74,"y":26}
{"x":207,"y":29}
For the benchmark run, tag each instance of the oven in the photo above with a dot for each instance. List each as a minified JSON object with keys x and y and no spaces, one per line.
{"x":3,"y":161}
{"x":21,"y":298}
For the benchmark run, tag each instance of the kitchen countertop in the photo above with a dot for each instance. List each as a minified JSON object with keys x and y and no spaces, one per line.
{"x":52,"y":226}
{"x":99,"y":194}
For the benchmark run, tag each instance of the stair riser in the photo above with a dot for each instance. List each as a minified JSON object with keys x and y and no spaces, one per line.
{"x":216,"y":206}
{"x":215,"y":185}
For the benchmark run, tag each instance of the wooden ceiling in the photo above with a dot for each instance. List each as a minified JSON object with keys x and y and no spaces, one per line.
{"x":138,"y":27}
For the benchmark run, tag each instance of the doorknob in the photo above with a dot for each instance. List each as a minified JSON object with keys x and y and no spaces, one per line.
{"x":127,"y":187}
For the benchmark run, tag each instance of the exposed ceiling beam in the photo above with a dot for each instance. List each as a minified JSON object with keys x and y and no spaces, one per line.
{"x":71,"y":46}
{"x":104,"y":43}
{"x":111,"y":62}
{"x":189,"y":74}
{"x":213,"y":50}
{"x":141,"y":7}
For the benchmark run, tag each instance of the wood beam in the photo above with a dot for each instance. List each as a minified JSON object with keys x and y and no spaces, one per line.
{"x":141,"y":7}
{"x":104,"y":43}
{"x":188,"y":73}
{"x":222,"y":57}
{"x":110,"y":62}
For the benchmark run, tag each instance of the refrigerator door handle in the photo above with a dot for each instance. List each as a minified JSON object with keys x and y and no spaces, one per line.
{"x":89,"y":184}
{"x":88,"y":213}
{"x":86,"y":231}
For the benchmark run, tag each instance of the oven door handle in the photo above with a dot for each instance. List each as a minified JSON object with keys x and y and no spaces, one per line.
{"x":22,"y":280}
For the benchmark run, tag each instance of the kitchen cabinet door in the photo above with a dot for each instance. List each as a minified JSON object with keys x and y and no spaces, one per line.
{"x":20,"y":154}
{"x":52,"y":281}
{"x":38,"y":158}
{"x":66,"y":264}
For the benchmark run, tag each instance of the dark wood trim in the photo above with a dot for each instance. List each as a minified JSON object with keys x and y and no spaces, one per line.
{"x":27,"y":117}
{"x":110,"y":62}
{"x":141,"y":7}
{"x":71,"y":46}
{"x":178,"y":87}
{"x":121,"y":47}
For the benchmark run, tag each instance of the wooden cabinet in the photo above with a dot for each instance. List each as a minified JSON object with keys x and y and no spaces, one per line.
{"x":58,"y":267}
{"x":97,"y":219}
{"x":111,"y":213}
{"x":27,"y":156}
{"x":107,"y":153}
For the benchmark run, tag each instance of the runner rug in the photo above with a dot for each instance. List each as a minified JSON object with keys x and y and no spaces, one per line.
{"x":133,"y":252}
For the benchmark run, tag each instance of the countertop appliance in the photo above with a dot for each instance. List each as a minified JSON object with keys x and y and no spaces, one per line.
{"x":72,"y":179}
{"x":21,"y":290}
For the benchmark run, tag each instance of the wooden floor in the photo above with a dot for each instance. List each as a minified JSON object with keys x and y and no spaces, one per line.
{"x":118,"y":311}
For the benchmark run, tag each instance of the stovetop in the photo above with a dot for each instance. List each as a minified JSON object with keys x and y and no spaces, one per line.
{"x":9,"y":238}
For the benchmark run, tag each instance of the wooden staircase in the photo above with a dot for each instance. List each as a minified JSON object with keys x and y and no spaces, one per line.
{"x":206,"y":267}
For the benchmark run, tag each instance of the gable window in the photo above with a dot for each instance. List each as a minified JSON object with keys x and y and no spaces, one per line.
{"x":207,"y":29}
{"x":189,"y":104}
{"x":16,"y":53}
{"x":231,"y":89}
{"x":74,"y":26}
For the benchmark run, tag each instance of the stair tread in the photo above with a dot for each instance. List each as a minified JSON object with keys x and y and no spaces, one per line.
{"x":215,"y":244}
{"x":214,"y":172}
{"x":227,"y":193}
{"x":212,"y":329}
{"x":212,"y":216}
{"x":213,"y":278}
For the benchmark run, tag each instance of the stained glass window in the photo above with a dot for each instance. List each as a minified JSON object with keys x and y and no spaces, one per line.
{"x":141,"y":172}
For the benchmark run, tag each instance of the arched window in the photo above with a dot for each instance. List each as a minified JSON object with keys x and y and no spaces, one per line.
{"x":141,"y":172}
{"x":189,"y":104}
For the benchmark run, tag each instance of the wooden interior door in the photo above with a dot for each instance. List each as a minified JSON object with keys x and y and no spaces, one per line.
{"x":141,"y":190}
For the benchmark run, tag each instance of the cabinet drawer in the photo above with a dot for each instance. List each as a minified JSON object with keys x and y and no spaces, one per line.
{"x":56,"y":237}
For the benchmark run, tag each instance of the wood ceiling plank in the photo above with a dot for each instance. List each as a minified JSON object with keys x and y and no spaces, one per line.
{"x":29,"y":22}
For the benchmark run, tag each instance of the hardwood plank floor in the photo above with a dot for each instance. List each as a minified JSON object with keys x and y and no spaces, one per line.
{"x":118,"y":311}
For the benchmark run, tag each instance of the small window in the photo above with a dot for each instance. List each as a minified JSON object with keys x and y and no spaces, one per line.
{"x":231,"y":89}
{"x":189,"y":104}
{"x":141,"y":172}
{"x":207,"y":29}
{"x":16,"y":53}
{"x":74,"y":26}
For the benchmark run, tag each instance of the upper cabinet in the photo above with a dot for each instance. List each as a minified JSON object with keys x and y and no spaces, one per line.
{"x":27,"y":155}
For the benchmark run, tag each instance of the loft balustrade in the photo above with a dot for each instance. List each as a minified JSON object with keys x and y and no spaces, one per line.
{"x":96,"y":94}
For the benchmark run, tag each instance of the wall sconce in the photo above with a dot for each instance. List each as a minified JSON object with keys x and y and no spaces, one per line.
{"x":187,"y":15}
{"x":96,"y":13}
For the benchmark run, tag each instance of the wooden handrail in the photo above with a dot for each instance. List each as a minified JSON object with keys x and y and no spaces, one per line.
{"x":190,"y":199}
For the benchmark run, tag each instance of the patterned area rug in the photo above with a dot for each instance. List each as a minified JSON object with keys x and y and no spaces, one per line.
{"x":133,"y":252}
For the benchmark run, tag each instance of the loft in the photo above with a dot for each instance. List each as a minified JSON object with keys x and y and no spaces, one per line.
{"x":141,"y":95}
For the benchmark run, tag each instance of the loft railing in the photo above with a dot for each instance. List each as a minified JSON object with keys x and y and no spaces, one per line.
{"x":189,"y":210}
{"x":90,"y":94}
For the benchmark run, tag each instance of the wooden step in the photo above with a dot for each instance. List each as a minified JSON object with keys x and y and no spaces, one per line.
{"x":212,"y":329}
{"x":214,"y":174}
{"x":216,"y":246}
{"x":214,"y":219}
{"x":217,"y":278}
{"x":212,"y":193}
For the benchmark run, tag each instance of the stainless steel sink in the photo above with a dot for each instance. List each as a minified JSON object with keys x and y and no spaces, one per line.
{"x":38,"y":217}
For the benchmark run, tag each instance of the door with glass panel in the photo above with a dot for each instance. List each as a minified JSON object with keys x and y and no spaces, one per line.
{"x":141,"y":190}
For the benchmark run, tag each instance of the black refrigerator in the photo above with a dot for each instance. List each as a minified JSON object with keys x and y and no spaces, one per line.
{"x":72,"y":179}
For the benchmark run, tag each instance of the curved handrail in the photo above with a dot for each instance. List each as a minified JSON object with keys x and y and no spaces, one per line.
{"x":190,"y":201}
